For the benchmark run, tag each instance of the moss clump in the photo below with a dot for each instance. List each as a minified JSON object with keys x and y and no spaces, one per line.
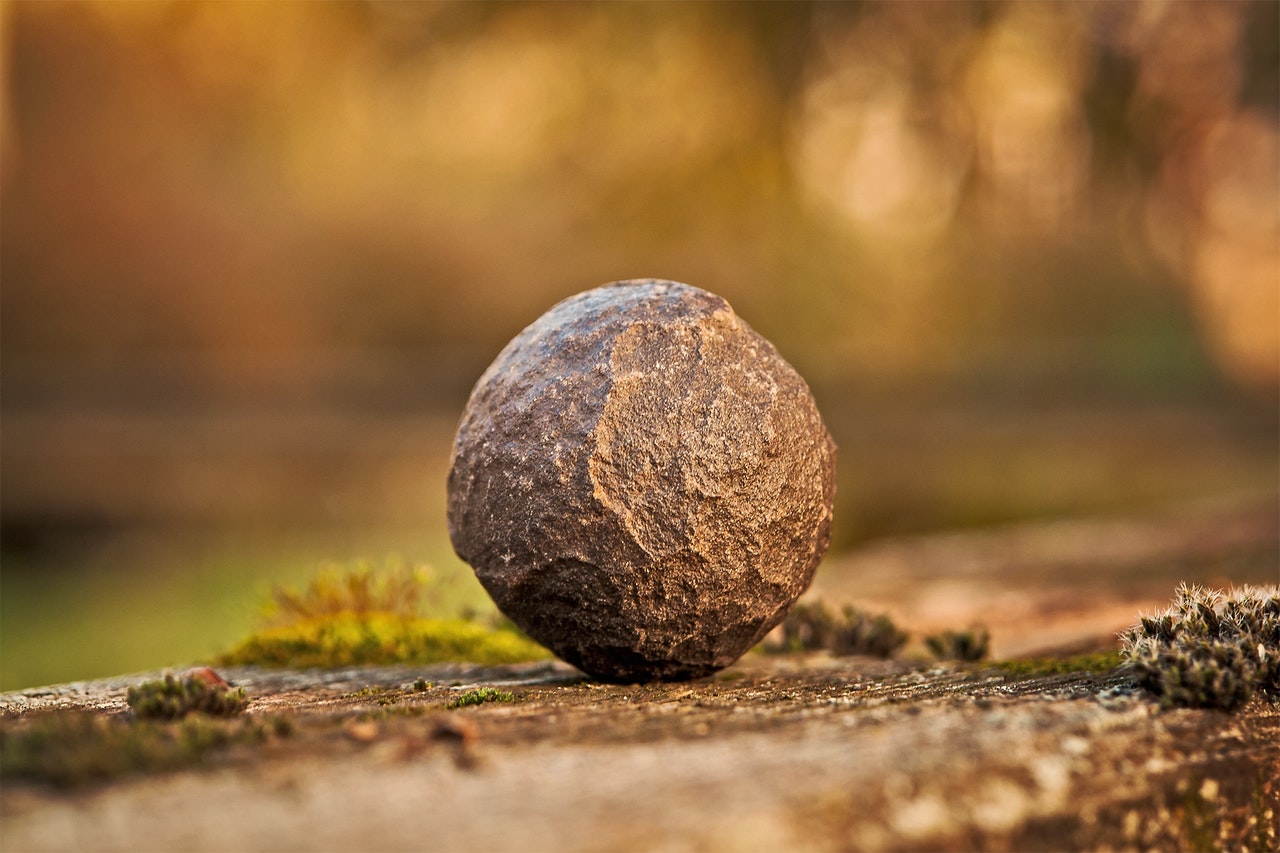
{"x":810,"y":627}
{"x":352,"y":639}
{"x":170,"y":697}
{"x":969,"y":645}
{"x":480,"y":696}
{"x":68,"y":749}
{"x":356,"y":616}
{"x":1209,"y":649}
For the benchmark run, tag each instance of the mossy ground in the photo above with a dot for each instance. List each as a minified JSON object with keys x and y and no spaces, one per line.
{"x":480,"y":696}
{"x":345,"y":617}
{"x":1015,"y":754}
{"x":1100,"y":662}
{"x":351,"y":640}
{"x":849,"y":749}
{"x":71,"y":749}
{"x":356,"y":615}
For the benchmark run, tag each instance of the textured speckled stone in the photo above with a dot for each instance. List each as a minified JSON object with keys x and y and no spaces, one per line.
{"x":642,"y":483}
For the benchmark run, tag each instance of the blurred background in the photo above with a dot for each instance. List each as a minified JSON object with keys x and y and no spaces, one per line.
{"x":253,"y":255}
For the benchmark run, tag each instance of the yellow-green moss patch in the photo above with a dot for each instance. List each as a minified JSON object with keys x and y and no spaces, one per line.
{"x":1096,"y":662}
{"x":356,"y":615}
{"x":348,"y":639}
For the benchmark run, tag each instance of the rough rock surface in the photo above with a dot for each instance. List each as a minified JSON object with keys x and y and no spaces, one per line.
{"x":642,"y":483}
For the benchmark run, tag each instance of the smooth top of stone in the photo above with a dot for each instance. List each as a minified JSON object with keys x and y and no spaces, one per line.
{"x":642,"y":483}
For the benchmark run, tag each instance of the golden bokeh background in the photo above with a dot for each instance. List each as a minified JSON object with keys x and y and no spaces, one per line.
{"x":253,"y":255}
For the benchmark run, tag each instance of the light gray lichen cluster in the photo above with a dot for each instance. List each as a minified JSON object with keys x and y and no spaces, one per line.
{"x":1209,"y":649}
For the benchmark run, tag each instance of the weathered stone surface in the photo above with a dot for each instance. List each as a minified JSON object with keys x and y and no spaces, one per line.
{"x":642,"y":483}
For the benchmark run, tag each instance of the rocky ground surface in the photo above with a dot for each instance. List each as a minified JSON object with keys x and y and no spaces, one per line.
{"x":779,"y":752}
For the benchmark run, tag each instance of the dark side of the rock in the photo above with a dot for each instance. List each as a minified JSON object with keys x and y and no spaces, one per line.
{"x":642,"y":483}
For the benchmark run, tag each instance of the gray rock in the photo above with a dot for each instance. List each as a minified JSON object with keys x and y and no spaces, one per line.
{"x":642,"y":483}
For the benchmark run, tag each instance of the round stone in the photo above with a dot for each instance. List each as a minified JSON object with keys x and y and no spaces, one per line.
{"x":642,"y":483}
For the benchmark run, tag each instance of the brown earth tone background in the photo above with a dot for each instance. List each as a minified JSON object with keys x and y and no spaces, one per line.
{"x":253,"y":256}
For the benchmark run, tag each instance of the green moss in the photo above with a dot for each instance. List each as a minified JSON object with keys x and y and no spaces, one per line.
{"x":356,"y":616}
{"x":381,"y":638}
{"x":968,"y":645}
{"x":811,"y":626}
{"x":68,"y":749}
{"x":170,"y":697}
{"x":1097,"y":662}
{"x":480,"y":696}
{"x":381,"y":695}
